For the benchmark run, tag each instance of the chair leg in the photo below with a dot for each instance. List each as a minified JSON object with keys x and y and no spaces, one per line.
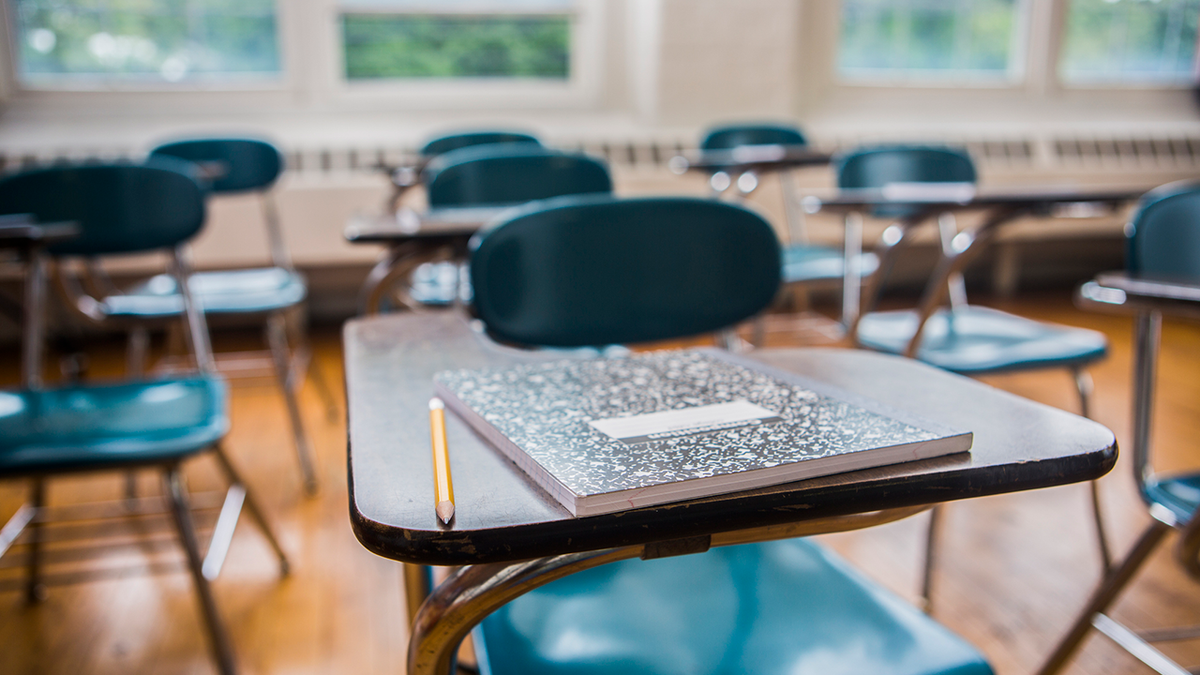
{"x":252,"y":507}
{"x":1084,"y":386}
{"x":136,"y":345}
{"x":35,"y":591}
{"x":931,"y":549}
{"x":277,"y":339}
{"x":222,"y":648}
{"x":1109,"y":588}
{"x":418,"y":584}
{"x":299,"y":338}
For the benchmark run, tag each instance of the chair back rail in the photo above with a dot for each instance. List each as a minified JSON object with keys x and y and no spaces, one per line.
{"x":234,"y":165}
{"x":510,"y":174}
{"x":466,"y":139}
{"x":120,"y":208}
{"x":597,"y":270}
{"x":729,"y":136}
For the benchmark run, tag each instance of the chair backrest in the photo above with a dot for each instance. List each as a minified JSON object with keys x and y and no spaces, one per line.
{"x":232,"y":164}
{"x":598,"y":270}
{"x":510,"y":174}
{"x":730,"y":136}
{"x":443,"y":144}
{"x":120,"y":208}
{"x":1164,"y":234}
{"x":875,"y":167}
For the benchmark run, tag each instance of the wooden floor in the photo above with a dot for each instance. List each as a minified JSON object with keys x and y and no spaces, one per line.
{"x":1014,"y":568}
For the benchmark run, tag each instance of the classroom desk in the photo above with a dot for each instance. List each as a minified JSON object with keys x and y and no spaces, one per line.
{"x":515,"y":537}
{"x":29,"y":238}
{"x":413,"y":238}
{"x":924,"y":201}
{"x":759,"y":158}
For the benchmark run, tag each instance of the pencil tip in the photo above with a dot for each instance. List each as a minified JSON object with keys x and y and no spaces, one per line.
{"x":445,"y":511}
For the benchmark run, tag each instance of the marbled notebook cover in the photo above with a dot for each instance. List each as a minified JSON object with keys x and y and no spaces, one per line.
{"x":538,"y":415}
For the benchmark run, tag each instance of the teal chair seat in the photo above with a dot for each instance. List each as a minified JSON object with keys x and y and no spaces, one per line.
{"x":777,"y":607}
{"x":249,"y":291}
{"x":974,"y":340}
{"x":95,"y":427}
{"x":1178,"y":494}
{"x":804,"y":263}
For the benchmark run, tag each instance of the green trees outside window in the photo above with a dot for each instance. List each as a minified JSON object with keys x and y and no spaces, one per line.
{"x":146,"y":40}
{"x":927,"y":39}
{"x":430,"y":46}
{"x":1129,"y":41}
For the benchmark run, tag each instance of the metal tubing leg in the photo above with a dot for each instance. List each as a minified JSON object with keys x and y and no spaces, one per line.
{"x":299,"y":338}
{"x":1104,"y":595}
{"x":35,"y":591}
{"x":31,"y":338}
{"x":277,"y":339}
{"x":931,"y":548}
{"x":136,"y":346}
{"x":222,"y":648}
{"x":252,"y":507}
{"x":462,"y":601}
{"x":1084,"y":386}
{"x":851,"y":274}
{"x":418,"y":584}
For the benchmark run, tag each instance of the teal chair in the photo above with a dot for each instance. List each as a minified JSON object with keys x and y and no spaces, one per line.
{"x":805,"y":265}
{"x":268,"y":294}
{"x":1163,"y":243}
{"x":158,"y":424}
{"x":491,"y":175}
{"x":408,"y":176}
{"x":502,"y":174}
{"x":961,"y":338}
{"x":589,"y":270}
{"x":453,"y":141}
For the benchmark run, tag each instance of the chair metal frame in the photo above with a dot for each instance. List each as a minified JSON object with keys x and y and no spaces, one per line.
{"x":854,"y":261}
{"x":403,"y":258}
{"x":202,"y":569}
{"x":958,"y":249}
{"x":1148,"y":315}
{"x":288,"y":357}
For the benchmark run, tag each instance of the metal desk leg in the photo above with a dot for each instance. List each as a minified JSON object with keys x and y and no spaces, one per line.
{"x":459,"y":604}
{"x":35,"y":295}
{"x":397,"y":263}
{"x":851,"y":275}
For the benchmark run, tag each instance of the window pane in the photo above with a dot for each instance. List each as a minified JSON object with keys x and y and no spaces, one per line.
{"x":383,"y":46}
{"x":1110,"y":41}
{"x":927,"y":39}
{"x":146,"y":40}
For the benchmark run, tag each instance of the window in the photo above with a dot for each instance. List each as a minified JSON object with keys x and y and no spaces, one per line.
{"x":923,"y":40}
{"x":1130,"y":41}
{"x":525,"y":39}
{"x":146,"y":41}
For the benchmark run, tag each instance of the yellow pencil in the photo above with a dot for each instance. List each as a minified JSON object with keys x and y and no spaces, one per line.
{"x":442,"y":485}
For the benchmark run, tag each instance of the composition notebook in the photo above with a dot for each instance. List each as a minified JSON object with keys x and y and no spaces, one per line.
{"x":605,"y":435}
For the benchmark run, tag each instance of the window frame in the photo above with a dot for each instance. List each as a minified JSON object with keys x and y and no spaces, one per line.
{"x":1013,"y":76}
{"x":1110,"y":85}
{"x":580,"y":89}
{"x":283,"y":80}
{"x":315,"y":74}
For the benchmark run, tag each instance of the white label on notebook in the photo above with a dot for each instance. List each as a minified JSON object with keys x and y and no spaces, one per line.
{"x":684,"y":422}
